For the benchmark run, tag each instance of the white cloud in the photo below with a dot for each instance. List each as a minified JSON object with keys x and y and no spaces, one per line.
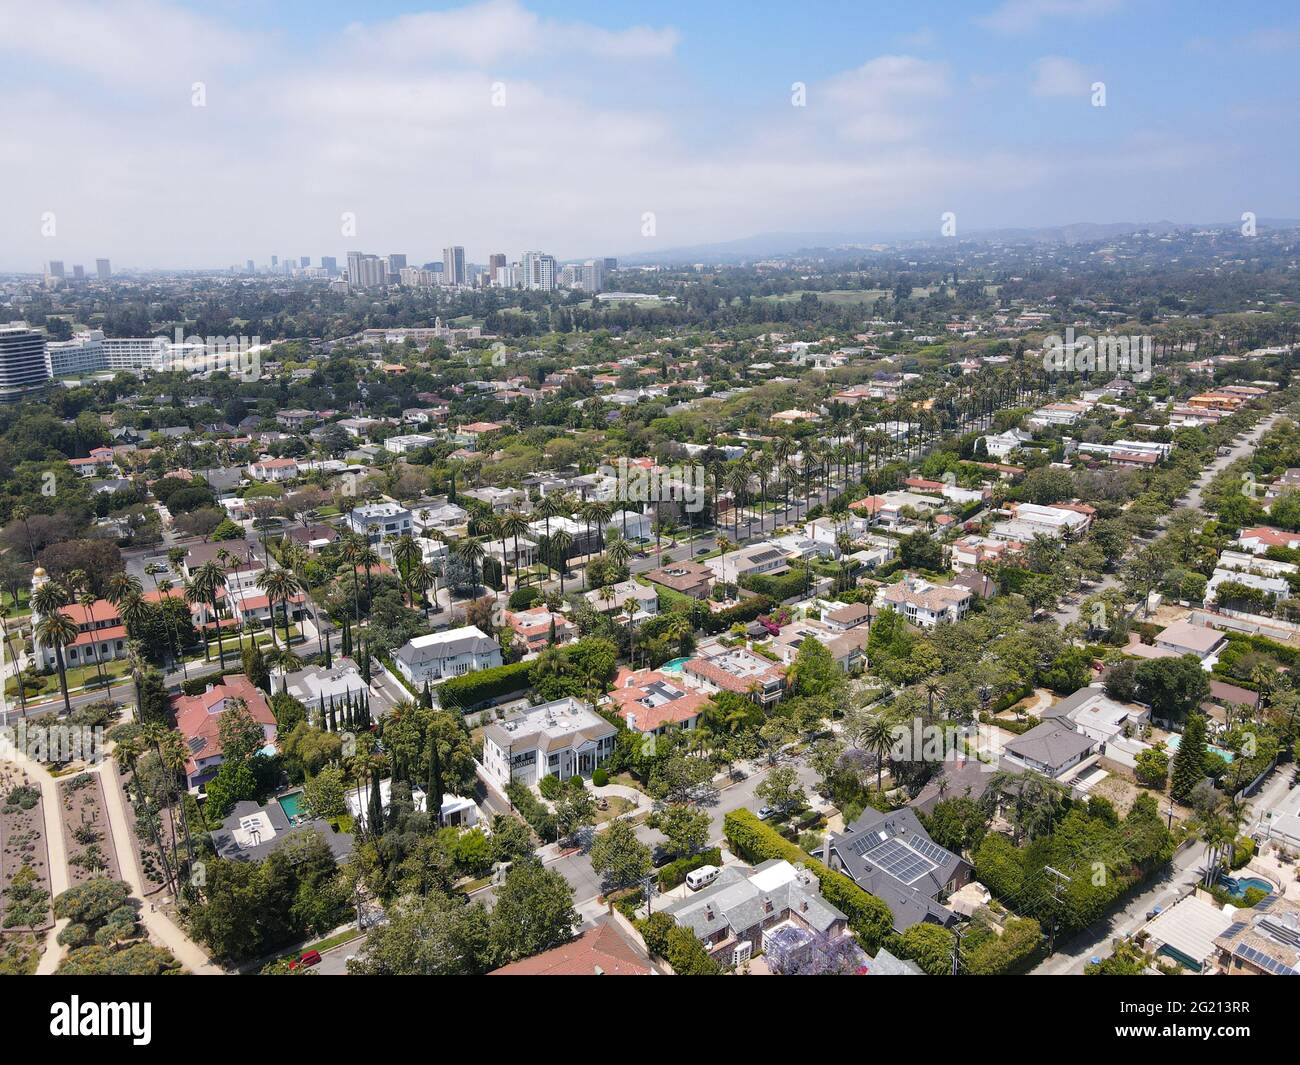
{"x":129,"y":43}
{"x":1024,"y":16}
{"x":885,"y":98}
{"x":1055,"y":75}
{"x":496,"y":30}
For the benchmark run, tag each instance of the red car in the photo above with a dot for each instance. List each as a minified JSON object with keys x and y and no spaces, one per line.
{"x":312,"y":957}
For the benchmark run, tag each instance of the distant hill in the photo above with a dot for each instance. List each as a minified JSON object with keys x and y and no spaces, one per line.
{"x":771,"y":245}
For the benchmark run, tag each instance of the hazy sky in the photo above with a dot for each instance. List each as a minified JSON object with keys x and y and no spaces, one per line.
{"x":507,"y":125}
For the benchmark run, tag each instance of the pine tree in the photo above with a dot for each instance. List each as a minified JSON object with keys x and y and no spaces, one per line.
{"x":1189,"y":759}
{"x":426,"y":696}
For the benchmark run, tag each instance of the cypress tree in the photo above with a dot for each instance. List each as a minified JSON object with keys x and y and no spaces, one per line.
{"x":376,"y":805}
{"x":433,"y":803}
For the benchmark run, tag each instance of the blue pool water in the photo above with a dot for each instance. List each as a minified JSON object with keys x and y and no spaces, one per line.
{"x":1175,"y":739}
{"x":1237,"y":887}
{"x":291,"y":804}
{"x":675,"y":666}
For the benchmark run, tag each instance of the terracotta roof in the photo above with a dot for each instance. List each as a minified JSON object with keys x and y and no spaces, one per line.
{"x":601,"y":951}
{"x":199,"y":725}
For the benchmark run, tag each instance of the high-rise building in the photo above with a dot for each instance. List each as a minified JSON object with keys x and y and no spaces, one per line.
{"x":103,"y":270}
{"x":23,"y":368}
{"x":275,"y":261}
{"x":54,"y":268}
{"x":611,"y":264}
{"x":495,"y":262}
{"x":453,"y":265}
{"x":78,"y":272}
{"x":329,"y":264}
{"x":591,"y":276}
{"x":537,"y":271}
{"x":304,"y":261}
{"x":250,"y":267}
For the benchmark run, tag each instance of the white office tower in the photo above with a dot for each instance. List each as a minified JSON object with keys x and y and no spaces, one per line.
{"x":538,"y":272}
{"x":103,"y":270}
{"x":453,"y":265}
{"x":23,"y":369}
{"x":506,"y":276}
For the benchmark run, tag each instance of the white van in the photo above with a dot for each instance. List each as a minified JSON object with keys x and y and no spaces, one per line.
{"x":702,"y":877}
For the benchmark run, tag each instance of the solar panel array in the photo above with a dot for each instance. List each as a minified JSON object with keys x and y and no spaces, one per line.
{"x":1265,"y":962}
{"x":930,"y":849}
{"x":899,"y":861}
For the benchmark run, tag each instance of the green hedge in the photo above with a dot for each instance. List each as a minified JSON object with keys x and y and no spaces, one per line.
{"x":531,"y":809}
{"x":473,"y":689}
{"x":674,"y":873}
{"x":786,"y":586}
{"x":743,"y":612}
{"x":1015,"y":951}
{"x":869,"y":917}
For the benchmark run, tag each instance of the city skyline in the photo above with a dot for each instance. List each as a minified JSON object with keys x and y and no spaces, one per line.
{"x":165,"y":135}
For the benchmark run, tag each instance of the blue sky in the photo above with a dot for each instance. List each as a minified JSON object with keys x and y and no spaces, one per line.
{"x":609,"y":128}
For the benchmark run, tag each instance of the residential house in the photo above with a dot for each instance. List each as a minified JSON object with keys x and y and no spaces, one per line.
{"x":604,"y":950}
{"x":388,"y":521}
{"x":537,"y":628}
{"x":562,"y":738}
{"x":745,"y":910}
{"x":925,"y":604}
{"x":198,"y":719}
{"x":651,"y":702}
{"x":450,"y":653}
{"x":890,"y":855}
{"x":687,"y":577}
{"x":735,"y":669}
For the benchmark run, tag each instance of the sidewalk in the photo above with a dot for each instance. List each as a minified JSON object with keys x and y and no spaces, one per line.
{"x":161,"y":927}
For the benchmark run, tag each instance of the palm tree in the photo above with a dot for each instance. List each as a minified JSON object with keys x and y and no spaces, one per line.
{"x":470,"y":551}
{"x":352,"y":549}
{"x":286,"y":662}
{"x":514,"y":525}
{"x":424,"y":575}
{"x":88,"y":599}
{"x":13,"y":655}
{"x":406,"y":553}
{"x":208,"y":580}
{"x":127,"y":752}
{"x":619,"y":550}
{"x":877,"y":737}
{"x":280,"y":585}
{"x":724,"y":545}
{"x":561,"y":543}
{"x":57,"y":630}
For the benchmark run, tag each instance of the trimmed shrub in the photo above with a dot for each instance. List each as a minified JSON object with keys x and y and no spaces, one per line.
{"x":599,"y":778}
{"x":528,"y":807}
{"x":674,"y":873}
{"x":471,"y":690}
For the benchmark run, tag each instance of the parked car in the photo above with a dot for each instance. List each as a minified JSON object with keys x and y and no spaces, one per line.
{"x":764,"y":812}
{"x":310,"y":958}
{"x":702,"y":877}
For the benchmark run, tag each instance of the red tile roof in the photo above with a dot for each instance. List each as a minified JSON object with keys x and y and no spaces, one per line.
{"x":600,"y":951}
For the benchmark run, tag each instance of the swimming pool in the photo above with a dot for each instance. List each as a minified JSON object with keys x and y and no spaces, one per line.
{"x":291,"y":804}
{"x":1237,"y":887}
{"x":675,"y":666}
{"x":1175,"y":739}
